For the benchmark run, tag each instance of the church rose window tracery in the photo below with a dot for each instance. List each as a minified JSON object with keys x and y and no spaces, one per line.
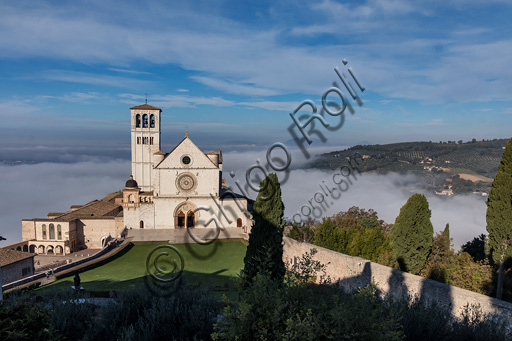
{"x":186,"y":182}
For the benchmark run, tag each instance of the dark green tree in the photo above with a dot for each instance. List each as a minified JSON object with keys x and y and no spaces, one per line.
{"x":499,"y":215}
{"x":477,"y":248}
{"x":440,"y":256}
{"x":412,"y":234}
{"x":265,"y":249}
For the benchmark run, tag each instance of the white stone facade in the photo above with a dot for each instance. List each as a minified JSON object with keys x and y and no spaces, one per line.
{"x":173,"y":190}
{"x":179,"y":189}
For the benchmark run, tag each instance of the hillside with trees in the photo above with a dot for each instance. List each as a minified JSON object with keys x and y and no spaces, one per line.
{"x":455,"y":167}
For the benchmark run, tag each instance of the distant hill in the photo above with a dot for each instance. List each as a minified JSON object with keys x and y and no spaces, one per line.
{"x":445,"y":167}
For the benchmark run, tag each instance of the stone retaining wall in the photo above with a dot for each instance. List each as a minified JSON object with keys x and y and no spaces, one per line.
{"x":354,"y":272}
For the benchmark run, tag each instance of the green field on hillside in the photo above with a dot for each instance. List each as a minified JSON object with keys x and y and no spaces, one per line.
{"x":215,"y":266}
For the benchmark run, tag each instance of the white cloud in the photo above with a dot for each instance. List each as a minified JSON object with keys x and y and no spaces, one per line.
{"x":95,"y":79}
{"x":181,"y":101}
{"x":234,"y":87}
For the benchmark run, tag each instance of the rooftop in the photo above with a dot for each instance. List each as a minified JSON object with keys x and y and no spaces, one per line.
{"x":12,"y":256}
{"x":145,"y":107}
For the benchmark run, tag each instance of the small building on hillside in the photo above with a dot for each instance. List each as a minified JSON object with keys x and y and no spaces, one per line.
{"x":15,"y":265}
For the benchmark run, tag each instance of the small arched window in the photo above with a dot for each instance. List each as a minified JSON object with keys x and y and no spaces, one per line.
{"x":145,"y":121}
{"x":59,"y":232}
{"x":239,"y":222}
{"x":141,"y":224}
{"x":44,"y":231}
{"x":131,"y":199}
{"x":137,"y":121}
{"x":152,"y":121}
{"x":52,"y":231}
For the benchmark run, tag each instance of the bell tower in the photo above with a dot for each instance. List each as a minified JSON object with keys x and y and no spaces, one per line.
{"x":145,"y":140}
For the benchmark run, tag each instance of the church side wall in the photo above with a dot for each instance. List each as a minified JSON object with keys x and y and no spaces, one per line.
{"x":354,"y":272}
{"x":95,"y":229}
{"x":28,"y":229}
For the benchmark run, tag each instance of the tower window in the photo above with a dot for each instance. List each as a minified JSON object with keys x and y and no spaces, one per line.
{"x":137,"y":121}
{"x":138,"y":140}
{"x":145,"y":121}
{"x":145,"y":140}
{"x":151,"y":140}
{"x":152,"y":121}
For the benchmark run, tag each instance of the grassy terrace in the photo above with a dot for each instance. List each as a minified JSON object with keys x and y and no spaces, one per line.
{"x":215,"y":266}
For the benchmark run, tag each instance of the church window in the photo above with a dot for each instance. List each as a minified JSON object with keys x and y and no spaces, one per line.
{"x":138,"y":140}
{"x":145,"y":121}
{"x":186,"y":160}
{"x":59,"y":232}
{"x":145,"y":140}
{"x":44,"y":231}
{"x":52,"y":231}
{"x":181,"y":219}
{"x":239,"y":222}
{"x":152,"y":121}
{"x":130,"y":199}
{"x":141,"y":224}
{"x":137,"y":121}
{"x":151,"y":140}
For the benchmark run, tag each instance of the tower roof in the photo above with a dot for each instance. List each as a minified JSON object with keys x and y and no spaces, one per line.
{"x":146,"y":107}
{"x":131,"y":183}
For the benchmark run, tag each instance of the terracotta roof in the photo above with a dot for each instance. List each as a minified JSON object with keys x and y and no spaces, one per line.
{"x":111,"y":197}
{"x":12,"y":256}
{"x":146,"y":107}
{"x":96,"y":209}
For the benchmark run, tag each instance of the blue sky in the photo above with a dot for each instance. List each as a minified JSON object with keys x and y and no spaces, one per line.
{"x":232,"y":71}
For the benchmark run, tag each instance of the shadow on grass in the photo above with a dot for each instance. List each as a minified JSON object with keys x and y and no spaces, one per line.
{"x":215,"y":283}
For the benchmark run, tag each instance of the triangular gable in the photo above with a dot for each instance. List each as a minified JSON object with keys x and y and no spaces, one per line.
{"x":186,"y":147}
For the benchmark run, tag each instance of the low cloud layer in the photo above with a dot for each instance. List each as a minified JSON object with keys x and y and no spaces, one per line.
{"x":31,"y":191}
{"x":386,"y":194}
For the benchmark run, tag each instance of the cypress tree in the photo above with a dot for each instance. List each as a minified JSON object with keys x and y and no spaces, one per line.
{"x":499,"y":215}
{"x":412,"y":234}
{"x":265,"y":249}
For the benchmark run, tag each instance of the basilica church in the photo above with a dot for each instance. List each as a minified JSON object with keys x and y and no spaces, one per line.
{"x":180,"y":189}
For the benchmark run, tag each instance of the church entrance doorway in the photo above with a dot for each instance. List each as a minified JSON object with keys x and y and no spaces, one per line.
{"x":190,"y":219}
{"x":185,"y":215}
{"x":181,"y":220}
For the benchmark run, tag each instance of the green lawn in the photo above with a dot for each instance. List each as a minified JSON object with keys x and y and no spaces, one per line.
{"x":215,"y":266}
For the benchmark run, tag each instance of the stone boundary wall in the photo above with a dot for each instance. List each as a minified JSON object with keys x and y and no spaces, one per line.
{"x":354,"y":272}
